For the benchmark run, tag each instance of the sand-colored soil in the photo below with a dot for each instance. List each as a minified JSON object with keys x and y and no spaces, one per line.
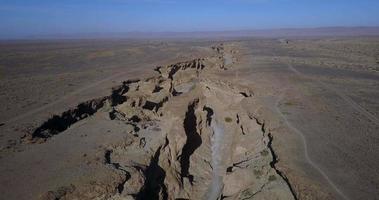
{"x":232,"y":119}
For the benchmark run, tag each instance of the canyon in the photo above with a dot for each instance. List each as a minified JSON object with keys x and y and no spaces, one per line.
{"x":235,"y":119}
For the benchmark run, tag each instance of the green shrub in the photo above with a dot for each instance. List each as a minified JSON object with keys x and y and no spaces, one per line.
{"x":228,"y":119}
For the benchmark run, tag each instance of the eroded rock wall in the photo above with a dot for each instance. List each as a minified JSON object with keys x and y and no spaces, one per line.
{"x":188,"y":138}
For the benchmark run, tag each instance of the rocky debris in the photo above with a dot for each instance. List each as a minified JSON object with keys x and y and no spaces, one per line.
{"x":188,"y":138}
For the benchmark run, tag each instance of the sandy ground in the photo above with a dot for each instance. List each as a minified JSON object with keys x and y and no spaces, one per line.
{"x":39,"y":79}
{"x":318,"y":99}
{"x":326,"y":92}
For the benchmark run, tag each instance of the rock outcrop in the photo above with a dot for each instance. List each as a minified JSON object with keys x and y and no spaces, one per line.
{"x":188,"y":138}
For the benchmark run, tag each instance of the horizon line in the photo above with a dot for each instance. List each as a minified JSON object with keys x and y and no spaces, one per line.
{"x":254,"y":32}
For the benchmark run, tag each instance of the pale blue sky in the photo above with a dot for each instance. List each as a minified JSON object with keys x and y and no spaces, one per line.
{"x":19,"y":18}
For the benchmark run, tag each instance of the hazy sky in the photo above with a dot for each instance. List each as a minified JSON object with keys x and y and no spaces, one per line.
{"x":40,"y":17}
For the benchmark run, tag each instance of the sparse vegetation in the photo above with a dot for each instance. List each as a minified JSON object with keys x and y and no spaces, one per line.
{"x":264,"y":152}
{"x":228,"y":119}
{"x":258,"y":173}
{"x":290,"y":103}
{"x":272,"y":178}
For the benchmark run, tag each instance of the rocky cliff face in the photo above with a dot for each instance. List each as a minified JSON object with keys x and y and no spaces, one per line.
{"x":188,"y":137}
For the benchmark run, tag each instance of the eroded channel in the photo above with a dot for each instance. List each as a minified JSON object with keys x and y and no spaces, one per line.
{"x":188,"y":137}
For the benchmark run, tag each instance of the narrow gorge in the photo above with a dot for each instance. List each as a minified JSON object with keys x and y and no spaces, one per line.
{"x":187,"y":136}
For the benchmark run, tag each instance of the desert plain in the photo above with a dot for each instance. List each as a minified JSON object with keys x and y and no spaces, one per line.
{"x":211,"y":118}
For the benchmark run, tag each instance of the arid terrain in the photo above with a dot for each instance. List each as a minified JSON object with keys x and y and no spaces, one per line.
{"x":238,"y":118}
